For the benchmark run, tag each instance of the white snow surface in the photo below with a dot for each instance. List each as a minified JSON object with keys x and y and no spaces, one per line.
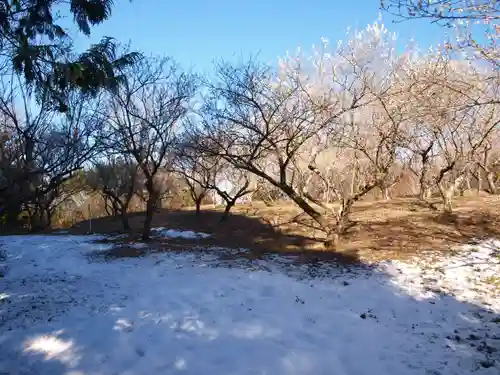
{"x":64,"y":312}
{"x":174,"y":233}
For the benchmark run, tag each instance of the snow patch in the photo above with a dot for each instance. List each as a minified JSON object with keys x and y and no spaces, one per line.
{"x":137,"y":245}
{"x":186,"y":234}
{"x":464,"y":274}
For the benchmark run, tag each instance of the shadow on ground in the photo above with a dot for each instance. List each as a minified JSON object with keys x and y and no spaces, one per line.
{"x":239,"y":231}
{"x":385,"y":230}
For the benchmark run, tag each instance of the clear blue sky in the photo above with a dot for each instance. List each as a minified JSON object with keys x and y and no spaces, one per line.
{"x":194,"y":32}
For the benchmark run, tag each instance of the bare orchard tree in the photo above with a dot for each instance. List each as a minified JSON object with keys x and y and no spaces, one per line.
{"x":449,"y":128}
{"x":256,"y":115}
{"x":231,"y":185}
{"x":475,"y":34}
{"x":142,"y":119}
{"x":50,"y":147}
{"x":375,"y":134}
{"x":208,"y":172}
{"x":370,"y":134}
{"x":475,"y":24}
{"x":251,"y":116}
{"x":421,"y":133}
{"x":420,"y":141}
{"x":444,"y":12}
{"x":195,"y":170}
{"x":488,"y":162}
{"x":117,"y":179}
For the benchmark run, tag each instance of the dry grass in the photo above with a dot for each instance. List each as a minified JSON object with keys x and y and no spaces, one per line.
{"x":394,"y":229}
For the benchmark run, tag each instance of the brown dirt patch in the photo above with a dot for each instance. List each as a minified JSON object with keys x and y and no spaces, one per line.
{"x":395,"y":229}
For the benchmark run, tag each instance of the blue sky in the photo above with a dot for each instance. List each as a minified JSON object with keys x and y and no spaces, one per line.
{"x":195,"y":32}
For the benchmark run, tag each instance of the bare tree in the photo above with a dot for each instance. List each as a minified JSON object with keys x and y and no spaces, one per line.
{"x":444,"y":12}
{"x":449,"y":128}
{"x":142,"y":120}
{"x":262,"y":119}
{"x":257,"y":118}
{"x":196,"y":171}
{"x":230,"y":184}
{"x":370,"y":135}
{"x":488,"y":161}
{"x":47,"y":148}
{"x":205,"y":172}
{"x":266,"y":192}
{"x":117,"y":179}
{"x":468,"y":19}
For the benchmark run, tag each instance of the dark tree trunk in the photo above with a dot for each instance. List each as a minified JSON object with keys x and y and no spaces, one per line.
{"x":332,"y":232}
{"x":228,"y":207}
{"x":306,"y":207}
{"x":425,"y":188}
{"x":124,"y":219}
{"x":198,"y":205}
{"x":150,"y":210}
{"x":116,"y":208}
{"x":41,"y":219}
{"x":49,"y":215}
{"x":343,"y":223}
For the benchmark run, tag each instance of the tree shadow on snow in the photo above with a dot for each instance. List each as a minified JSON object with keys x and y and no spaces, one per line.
{"x":241,"y":230}
{"x":187,"y":317}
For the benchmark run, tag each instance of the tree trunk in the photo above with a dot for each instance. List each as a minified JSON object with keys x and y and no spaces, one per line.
{"x":353,"y":180}
{"x":491,"y":183}
{"x":332,"y":237}
{"x":479,"y":181}
{"x":306,"y":207}
{"x":490,"y":178}
{"x":448,"y":192}
{"x":124,"y":219}
{"x":343,"y":223}
{"x":214,"y":198}
{"x":106,"y":205}
{"x":447,"y":203}
{"x":428,"y":193}
{"x":198,"y":205}
{"x":228,"y":207}
{"x":39,"y":219}
{"x":424,"y":192}
{"x":386,"y":192}
{"x":150,"y":210}
{"x":425,"y":188}
{"x":461,"y":190}
{"x":421,"y":193}
{"x":49,"y":215}
{"x":116,"y":208}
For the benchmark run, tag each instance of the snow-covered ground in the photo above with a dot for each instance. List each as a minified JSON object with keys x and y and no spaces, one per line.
{"x":63,"y":312}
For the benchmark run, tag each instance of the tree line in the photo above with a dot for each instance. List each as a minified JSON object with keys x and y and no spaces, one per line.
{"x":322,"y":129}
